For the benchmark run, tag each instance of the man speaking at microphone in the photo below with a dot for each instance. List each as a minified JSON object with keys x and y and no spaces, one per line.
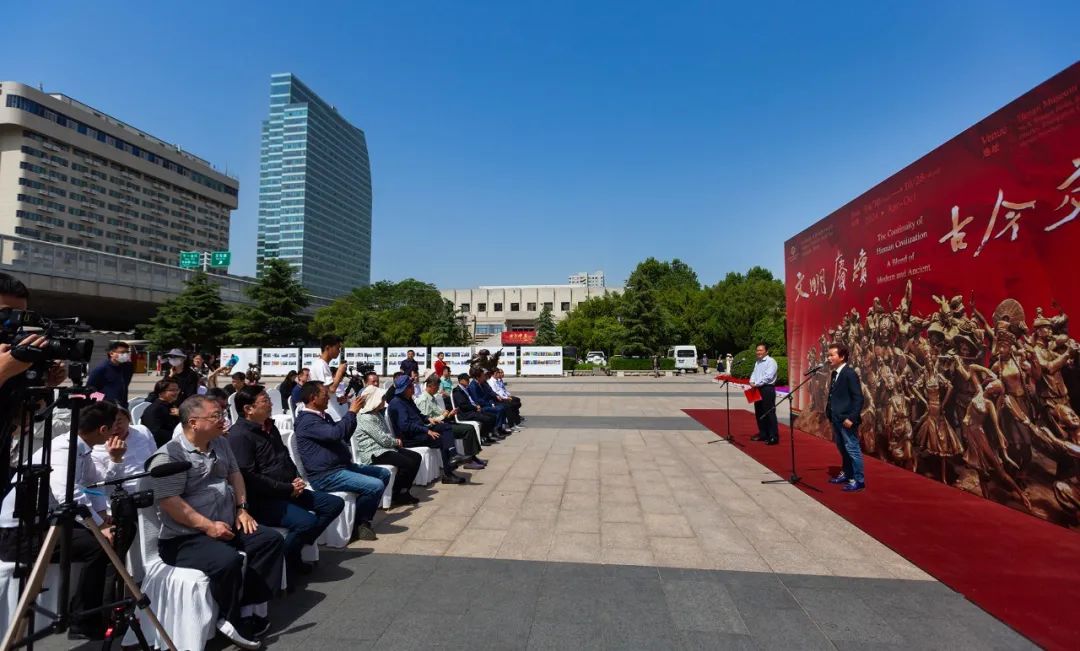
{"x":842,"y":409}
{"x":764,"y":378}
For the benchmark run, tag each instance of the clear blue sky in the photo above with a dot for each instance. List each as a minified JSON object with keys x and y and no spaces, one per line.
{"x":562,"y":136}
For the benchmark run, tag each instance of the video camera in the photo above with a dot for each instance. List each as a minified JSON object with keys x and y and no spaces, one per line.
{"x":63,"y":343}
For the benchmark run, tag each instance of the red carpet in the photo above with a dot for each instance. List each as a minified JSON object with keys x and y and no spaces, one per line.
{"x":1020,"y":569}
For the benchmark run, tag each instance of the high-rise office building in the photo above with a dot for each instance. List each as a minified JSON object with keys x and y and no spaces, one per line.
{"x":314,"y":191}
{"x":73,"y":175}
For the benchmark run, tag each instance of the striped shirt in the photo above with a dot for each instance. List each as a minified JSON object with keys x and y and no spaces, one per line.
{"x":205,"y":486}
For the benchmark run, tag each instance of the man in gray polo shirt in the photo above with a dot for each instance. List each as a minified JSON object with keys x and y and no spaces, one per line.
{"x":205,"y":522}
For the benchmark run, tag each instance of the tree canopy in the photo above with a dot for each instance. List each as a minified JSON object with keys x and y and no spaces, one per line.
{"x":195,"y":319}
{"x":275,"y":317}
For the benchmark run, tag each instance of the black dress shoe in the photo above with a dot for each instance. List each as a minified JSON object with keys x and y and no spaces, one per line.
{"x":489,"y":441}
{"x":757,"y":437}
{"x":457,"y":460}
{"x":452,"y":478}
{"x":404,"y":498}
{"x":772,"y":442}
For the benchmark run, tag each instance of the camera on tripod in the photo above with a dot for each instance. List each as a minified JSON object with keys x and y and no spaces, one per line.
{"x":356,"y":375}
{"x":64,"y":343}
{"x":124,"y":507}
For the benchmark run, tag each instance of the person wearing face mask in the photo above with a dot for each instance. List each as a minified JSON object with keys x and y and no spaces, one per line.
{"x":181,"y":373}
{"x":113,"y":376}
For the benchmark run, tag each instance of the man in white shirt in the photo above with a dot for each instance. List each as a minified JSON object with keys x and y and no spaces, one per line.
{"x":764,"y":378}
{"x":513,"y":403}
{"x":95,"y":427}
{"x":320,"y":372}
{"x":129,"y":446}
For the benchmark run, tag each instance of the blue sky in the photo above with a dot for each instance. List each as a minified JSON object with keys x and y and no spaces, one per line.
{"x":562,"y":136}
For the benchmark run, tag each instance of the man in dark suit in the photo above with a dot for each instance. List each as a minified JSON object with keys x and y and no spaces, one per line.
{"x":470,"y":411}
{"x":843,"y":409}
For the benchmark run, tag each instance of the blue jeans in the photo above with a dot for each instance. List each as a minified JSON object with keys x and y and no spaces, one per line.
{"x":499,"y":412}
{"x":847,"y":441}
{"x":306,"y":516}
{"x":368,"y":482}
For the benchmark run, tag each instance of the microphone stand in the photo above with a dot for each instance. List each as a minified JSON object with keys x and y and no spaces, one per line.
{"x":727,"y":407}
{"x":794,"y":478}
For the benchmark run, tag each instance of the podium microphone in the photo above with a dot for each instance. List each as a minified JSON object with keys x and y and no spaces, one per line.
{"x":164,"y":470}
{"x":813,"y":370}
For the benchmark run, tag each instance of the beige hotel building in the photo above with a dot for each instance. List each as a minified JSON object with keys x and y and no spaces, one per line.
{"x":73,"y":175}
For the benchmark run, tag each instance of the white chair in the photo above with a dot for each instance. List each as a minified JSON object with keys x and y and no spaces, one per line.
{"x":47,"y":599}
{"x":292,"y":407}
{"x":275,"y":400}
{"x":430,"y":458}
{"x":137,"y":412}
{"x":388,"y":492}
{"x":340,"y":530}
{"x":475,"y":425}
{"x":232,"y":408}
{"x":179,"y":596}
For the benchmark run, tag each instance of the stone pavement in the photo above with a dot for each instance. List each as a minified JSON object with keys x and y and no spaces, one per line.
{"x":611,"y":522}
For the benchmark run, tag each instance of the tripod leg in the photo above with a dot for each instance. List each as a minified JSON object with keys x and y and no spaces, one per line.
{"x":132,"y":587}
{"x":17,"y":626}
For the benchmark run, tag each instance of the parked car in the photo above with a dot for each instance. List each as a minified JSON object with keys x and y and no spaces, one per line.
{"x":596,"y":357}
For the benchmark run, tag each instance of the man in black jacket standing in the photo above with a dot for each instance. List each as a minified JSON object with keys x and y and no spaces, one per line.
{"x":843,"y":410}
{"x":276,"y":492}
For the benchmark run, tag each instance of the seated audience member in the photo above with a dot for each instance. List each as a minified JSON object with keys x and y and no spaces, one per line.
{"x":470,"y":411}
{"x":431,"y":407}
{"x":446,"y":382}
{"x":497,"y":390}
{"x":206,"y":522}
{"x":371,"y":379}
{"x":374,"y":444}
{"x":415,"y":431}
{"x":325,"y":453}
{"x":285,"y":390}
{"x":128,"y":445}
{"x":95,"y":428}
{"x":222,"y":399}
{"x":239,"y":381}
{"x":302,"y":378}
{"x":162,"y":416}
{"x":481,"y":397}
{"x":277,"y":494}
{"x":414,"y":377}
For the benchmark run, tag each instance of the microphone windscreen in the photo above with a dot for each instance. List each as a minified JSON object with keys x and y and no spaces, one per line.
{"x":171,"y":468}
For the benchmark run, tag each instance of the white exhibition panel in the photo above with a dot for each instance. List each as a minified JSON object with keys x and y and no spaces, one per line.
{"x":395,"y":355}
{"x":456,"y":356}
{"x":277,"y":362}
{"x":541,"y":360}
{"x":373,"y":356}
{"x":246,"y":357}
{"x":307,"y":356}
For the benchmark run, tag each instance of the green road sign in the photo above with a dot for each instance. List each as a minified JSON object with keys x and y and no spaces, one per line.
{"x":220,"y":258}
{"x":190,"y":259}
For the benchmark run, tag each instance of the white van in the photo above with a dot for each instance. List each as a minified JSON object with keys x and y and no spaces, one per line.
{"x":685,"y":357}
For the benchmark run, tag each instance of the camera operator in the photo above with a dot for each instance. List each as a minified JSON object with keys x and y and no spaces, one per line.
{"x":113,"y":376}
{"x":95,"y":428}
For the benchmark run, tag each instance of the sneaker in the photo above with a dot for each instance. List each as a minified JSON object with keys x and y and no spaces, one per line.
{"x":854,"y":486}
{"x":839,"y":479}
{"x":365,"y":532}
{"x":226,"y":628}
{"x":255,"y":627}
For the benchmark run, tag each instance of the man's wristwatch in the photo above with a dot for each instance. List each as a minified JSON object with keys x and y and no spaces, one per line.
{"x":242,"y":506}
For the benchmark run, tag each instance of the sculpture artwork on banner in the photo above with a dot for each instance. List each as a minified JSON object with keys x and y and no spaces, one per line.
{"x":484,"y":360}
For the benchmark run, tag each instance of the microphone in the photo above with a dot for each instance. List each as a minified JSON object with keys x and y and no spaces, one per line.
{"x":164,"y":470}
{"x":814,"y":369}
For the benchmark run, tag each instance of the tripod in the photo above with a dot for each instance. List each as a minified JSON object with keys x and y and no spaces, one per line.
{"x":65,"y":517}
{"x":727,"y":407}
{"x":794,"y":478}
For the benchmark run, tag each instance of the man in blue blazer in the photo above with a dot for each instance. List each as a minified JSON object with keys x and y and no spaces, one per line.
{"x":843,"y":409}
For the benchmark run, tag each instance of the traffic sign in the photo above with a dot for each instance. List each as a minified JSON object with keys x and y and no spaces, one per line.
{"x":190,"y":259}
{"x":220,"y":258}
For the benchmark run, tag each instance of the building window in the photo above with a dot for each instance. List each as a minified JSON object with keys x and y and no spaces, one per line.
{"x":530,"y":307}
{"x":549,"y":306}
{"x":464,"y":307}
{"x":564,"y":306}
{"x":498,"y":307}
{"x":515,"y":307}
{"x":481,"y":307}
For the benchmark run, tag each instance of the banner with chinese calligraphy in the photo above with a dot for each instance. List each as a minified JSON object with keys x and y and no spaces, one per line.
{"x":952,"y":283}
{"x":357,"y":356}
{"x":277,"y":362}
{"x":518,"y":337}
{"x":541,"y":360}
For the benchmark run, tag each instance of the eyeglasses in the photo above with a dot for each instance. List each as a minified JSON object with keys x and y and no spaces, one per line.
{"x":219,"y":415}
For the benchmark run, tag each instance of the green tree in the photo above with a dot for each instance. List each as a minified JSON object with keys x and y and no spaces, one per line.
{"x":546,"y":333}
{"x":275,"y":317}
{"x":196,"y":319}
{"x":382,"y":314}
{"x":447,"y":329}
{"x":644,"y":323}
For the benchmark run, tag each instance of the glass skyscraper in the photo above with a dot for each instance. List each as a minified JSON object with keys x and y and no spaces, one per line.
{"x":314,"y":191}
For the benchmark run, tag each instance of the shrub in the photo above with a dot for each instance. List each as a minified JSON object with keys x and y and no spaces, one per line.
{"x":583,"y":367}
{"x":743,"y":365}
{"x":620,"y":363}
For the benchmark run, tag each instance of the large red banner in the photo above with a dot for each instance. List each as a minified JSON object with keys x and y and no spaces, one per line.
{"x":952,"y":283}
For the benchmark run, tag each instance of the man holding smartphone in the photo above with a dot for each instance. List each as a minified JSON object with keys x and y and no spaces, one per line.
{"x":321,"y":372}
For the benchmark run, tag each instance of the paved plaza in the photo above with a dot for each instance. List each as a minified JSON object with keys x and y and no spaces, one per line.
{"x":611,"y":522}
